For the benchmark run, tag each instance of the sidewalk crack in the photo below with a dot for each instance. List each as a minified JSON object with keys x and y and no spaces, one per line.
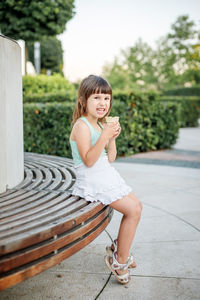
{"x":110,"y":272}
{"x":103,"y":287}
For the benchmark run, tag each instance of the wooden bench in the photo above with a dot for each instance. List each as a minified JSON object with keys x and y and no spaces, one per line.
{"x":41,"y":223}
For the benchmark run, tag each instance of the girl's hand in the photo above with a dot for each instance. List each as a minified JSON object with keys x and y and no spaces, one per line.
{"x":112,"y":130}
{"x":118,"y":131}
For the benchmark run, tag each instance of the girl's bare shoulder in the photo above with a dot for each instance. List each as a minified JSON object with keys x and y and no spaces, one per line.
{"x":79,"y":128}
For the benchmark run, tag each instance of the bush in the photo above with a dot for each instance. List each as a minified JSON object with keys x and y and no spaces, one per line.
{"x":189,"y":109}
{"x":47,"y":128}
{"x":183,"y":91}
{"x":40,"y":85}
{"x":146,"y":125}
{"x":49,"y":98}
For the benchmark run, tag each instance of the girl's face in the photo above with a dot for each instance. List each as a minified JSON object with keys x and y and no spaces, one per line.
{"x":98,"y":105}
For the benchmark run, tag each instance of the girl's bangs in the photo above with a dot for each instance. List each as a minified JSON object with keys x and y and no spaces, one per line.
{"x":101,"y":86}
{"x":102,"y":89}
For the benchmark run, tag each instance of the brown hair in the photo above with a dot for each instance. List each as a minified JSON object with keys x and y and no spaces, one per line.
{"x":90,"y":85}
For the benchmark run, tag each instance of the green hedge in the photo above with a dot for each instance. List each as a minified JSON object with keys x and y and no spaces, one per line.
{"x":43,"y":88}
{"x":146,"y":125}
{"x":50,"y":97}
{"x":183,"y":91}
{"x":47,"y":128}
{"x":189,"y":109}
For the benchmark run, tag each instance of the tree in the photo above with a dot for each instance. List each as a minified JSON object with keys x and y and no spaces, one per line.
{"x":178,"y":54}
{"x":139,"y":61}
{"x":117,"y":75}
{"x":32,"y":20}
{"x":175,"y":61}
{"x":51,"y":55}
{"x":135,"y":68}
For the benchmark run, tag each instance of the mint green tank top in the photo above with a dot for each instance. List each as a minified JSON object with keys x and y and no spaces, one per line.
{"x":94,"y":137}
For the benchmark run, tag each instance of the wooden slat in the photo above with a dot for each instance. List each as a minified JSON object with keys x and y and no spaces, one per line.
{"x":27,"y":180}
{"x":25,"y":201}
{"x":41,"y":223}
{"x":30,"y":203}
{"x":16,"y":196}
{"x":46,"y":231}
{"x":36,"y":268}
{"x":39,"y":212}
{"x":29,"y":254}
{"x":51,"y":215}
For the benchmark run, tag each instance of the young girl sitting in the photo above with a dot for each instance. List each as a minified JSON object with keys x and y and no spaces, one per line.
{"x":93,"y":150}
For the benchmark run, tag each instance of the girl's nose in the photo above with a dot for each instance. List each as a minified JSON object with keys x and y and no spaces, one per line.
{"x":102,"y":101}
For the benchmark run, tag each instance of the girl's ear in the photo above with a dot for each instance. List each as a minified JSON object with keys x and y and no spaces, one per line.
{"x":82,"y":104}
{"x":81,"y":101}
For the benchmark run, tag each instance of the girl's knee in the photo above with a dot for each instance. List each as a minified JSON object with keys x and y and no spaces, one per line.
{"x":138,"y":211}
{"x":135,"y":209}
{"x":136,"y":201}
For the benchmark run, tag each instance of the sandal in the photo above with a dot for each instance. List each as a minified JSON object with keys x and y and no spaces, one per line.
{"x":124,"y":278}
{"x":113,"y":248}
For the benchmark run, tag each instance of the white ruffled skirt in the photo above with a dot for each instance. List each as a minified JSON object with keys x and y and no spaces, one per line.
{"x":101,"y":182}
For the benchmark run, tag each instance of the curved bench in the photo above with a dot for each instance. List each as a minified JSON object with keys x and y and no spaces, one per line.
{"x":41,"y":223}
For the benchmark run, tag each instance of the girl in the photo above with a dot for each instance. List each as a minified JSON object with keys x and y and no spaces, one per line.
{"x":93,"y":149}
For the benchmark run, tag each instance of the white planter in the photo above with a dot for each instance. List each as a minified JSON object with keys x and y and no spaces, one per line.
{"x":11,"y":115}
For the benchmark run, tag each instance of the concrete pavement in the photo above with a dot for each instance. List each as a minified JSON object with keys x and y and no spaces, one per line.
{"x":166,"y":247}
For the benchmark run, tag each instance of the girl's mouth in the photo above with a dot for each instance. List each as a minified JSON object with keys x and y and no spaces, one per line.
{"x":101,"y":110}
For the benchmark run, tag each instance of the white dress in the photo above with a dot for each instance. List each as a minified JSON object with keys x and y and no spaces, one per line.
{"x":101,"y":182}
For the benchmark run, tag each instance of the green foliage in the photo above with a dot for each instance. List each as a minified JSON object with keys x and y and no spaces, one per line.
{"x":189,"y":109}
{"x":51,"y":55}
{"x":66,"y":96}
{"x":182,"y":30}
{"x":147,"y":124}
{"x":179,"y":63}
{"x":47,"y":128}
{"x":42,"y":88}
{"x":135,"y":70}
{"x":32,"y":20}
{"x":116,"y":75}
{"x":183,"y":91}
{"x":174,"y":62}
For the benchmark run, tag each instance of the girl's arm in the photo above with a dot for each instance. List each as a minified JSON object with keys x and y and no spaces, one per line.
{"x":88,"y":153}
{"x":111,"y":146}
{"x":111,"y":150}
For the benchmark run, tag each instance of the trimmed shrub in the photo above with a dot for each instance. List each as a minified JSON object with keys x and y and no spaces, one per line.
{"x":146,"y":125}
{"x":183,"y":91}
{"x":44,"y":86}
{"x":47,"y":128}
{"x":49,"y":98}
{"x":189,"y":109}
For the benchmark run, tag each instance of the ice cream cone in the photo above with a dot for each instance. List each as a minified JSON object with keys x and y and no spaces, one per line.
{"x":112,"y":119}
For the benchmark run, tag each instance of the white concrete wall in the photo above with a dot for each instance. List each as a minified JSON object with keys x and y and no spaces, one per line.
{"x":22,"y":46}
{"x":11,"y":115}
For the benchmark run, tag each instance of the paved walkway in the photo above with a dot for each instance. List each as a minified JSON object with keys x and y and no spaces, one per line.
{"x":186,"y":152}
{"x":166,"y":246}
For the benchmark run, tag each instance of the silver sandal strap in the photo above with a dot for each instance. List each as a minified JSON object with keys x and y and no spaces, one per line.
{"x":124,"y":277}
{"x":117,"y":266}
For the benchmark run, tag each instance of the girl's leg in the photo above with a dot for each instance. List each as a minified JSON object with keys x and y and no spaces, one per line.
{"x":131,"y":209}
